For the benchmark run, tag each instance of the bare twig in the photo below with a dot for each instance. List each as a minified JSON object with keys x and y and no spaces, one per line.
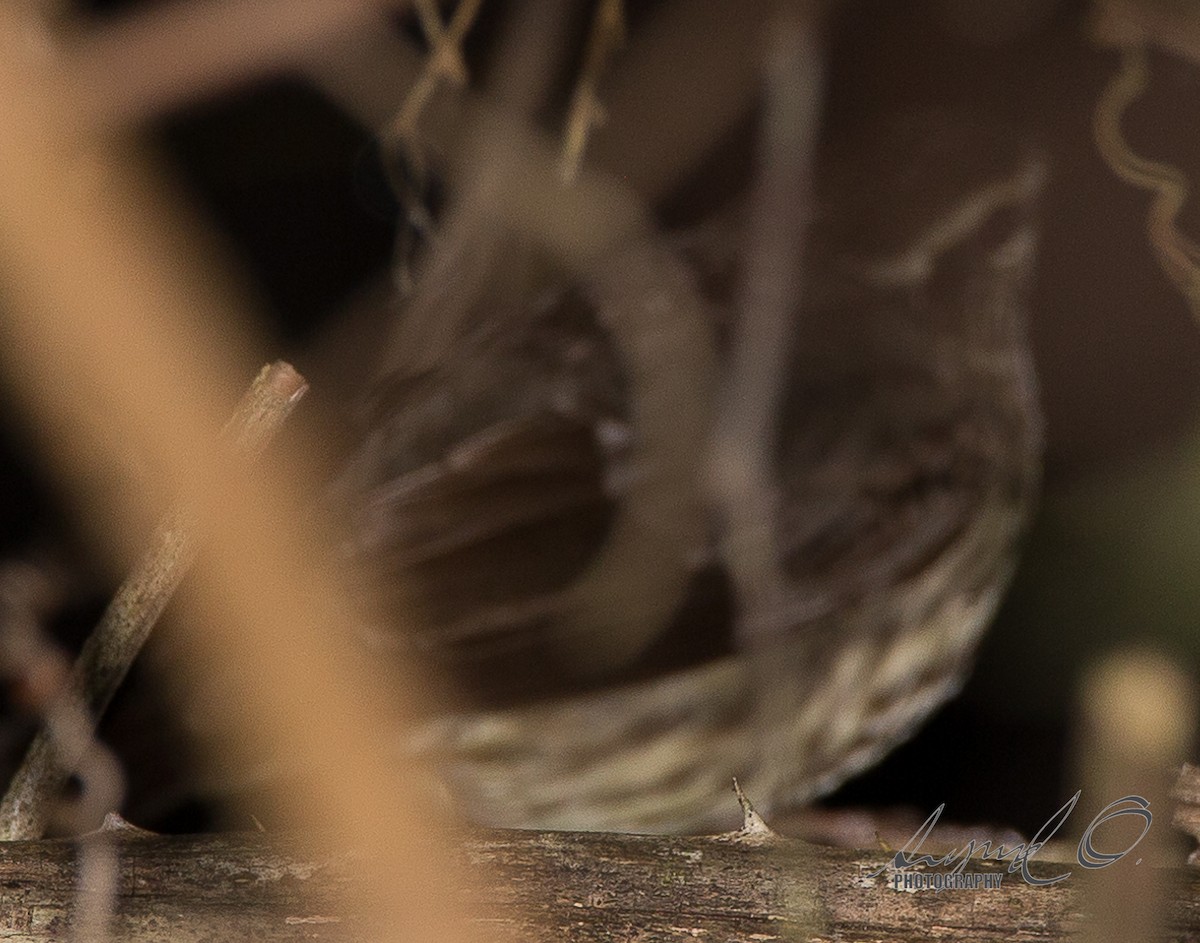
{"x":445,"y":62}
{"x":659,"y":123}
{"x":110,"y":651}
{"x":608,"y":32}
{"x":1178,"y":255}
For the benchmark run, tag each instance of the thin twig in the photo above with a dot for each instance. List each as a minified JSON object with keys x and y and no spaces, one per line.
{"x":1178,"y":255}
{"x":445,"y":62}
{"x":123,"y":630}
{"x":608,"y":33}
{"x":648,"y":141}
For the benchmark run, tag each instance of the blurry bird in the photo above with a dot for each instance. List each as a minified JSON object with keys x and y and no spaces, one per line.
{"x":533,"y":485}
{"x":490,"y":478}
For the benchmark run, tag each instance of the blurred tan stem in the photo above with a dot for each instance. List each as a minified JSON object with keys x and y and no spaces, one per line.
{"x":1137,"y":713}
{"x":144,"y":63}
{"x":110,"y":344}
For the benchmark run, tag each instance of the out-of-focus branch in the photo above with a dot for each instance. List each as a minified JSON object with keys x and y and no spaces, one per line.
{"x":597,"y":229}
{"x":689,"y":75}
{"x":742,"y":473}
{"x":440,"y":37}
{"x":1186,"y":816}
{"x":110,"y":651}
{"x":1137,"y":721}
{"x":150,"y":61}
{"x":1173,"y":25}
{"x":153,"y":61}
{"x":109,"y":345}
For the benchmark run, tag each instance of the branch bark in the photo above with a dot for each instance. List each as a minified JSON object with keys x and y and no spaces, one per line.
{"x":543,"y":886}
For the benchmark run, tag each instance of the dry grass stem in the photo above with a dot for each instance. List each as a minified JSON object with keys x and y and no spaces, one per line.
{"x":586,"y":112}
{"x":444,"y":63}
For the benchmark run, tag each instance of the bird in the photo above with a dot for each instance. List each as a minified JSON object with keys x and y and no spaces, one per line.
{"x":528,"y":489}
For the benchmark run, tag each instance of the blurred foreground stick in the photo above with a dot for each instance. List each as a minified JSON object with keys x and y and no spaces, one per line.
{"x":112,"y":346}
{"x":536,"y":887}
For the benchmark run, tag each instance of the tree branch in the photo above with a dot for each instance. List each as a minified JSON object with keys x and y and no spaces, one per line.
{"x":543,"y":886}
